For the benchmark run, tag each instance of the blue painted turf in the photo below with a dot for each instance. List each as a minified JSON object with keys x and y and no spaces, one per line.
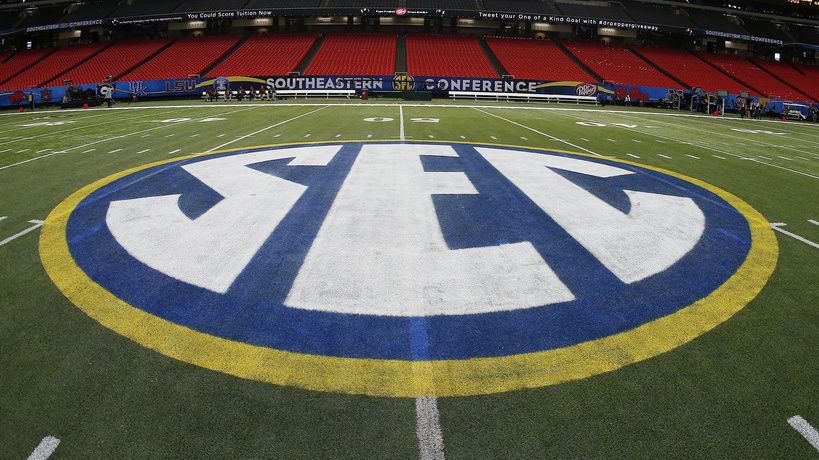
{"x":252,"y":309}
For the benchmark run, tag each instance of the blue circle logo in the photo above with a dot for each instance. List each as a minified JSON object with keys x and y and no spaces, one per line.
{"x":407,"y":268}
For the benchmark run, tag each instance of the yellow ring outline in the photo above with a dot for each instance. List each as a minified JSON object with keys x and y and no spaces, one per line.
{"x":404,"y":378}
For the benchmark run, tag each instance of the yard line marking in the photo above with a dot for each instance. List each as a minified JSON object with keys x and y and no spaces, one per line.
{"x":776,"y":226}
{"x":637,"y":141}
{"x":632,"y":155}
{"x":221,"y":135}
{"x":664,"y":156}
{"x":307,"y":135}
{"x":494,"y":138}
{"x":278,"y":135}
{"x":801,"y":158}
{"x":89,"y":150}
{"x":4,"y":150}
{"x":462,"y":137}
{"x":265,"y":129}
{"x":717,"y":156}
{"x":115,"y":151}
{"x":660,"y":141}
{"x":805,"y":429}
{"x":174,"y":151}
{"x":194,"y":135}
{"x":3,"y":217}
{"x":765,"y":158}
{"x":37,"y":224}
{"x":692,"y":156}
{"x":145,"y":135}
{"x":171,"y":135}
{"x":401,"y":117}
{"x":584,"y":139}
{"x":145,"y":150}
{"x":43,"y":150}
{"x":610,"y":140}
{"x":524,"y":138}
{"x":24,"y":150}
{"x":44,"y":450}
{"x":785,"y":158}
{"x":813,"y":222}
{"x":338,"y":135}
{"x":428,"y":428}
{"x":536,"y":131}
{"x":431,"y":136}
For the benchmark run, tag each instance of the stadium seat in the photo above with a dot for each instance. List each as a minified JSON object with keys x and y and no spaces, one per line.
{"x":187,"y":56}
{"x":536,"y":60}
{"x":690,"y":69}
{"x":49,"y":68}
{"x":743,"y":69}
{"x":619,"y":65}
{"x":20,"y":61}
{"x":446,"y":56}
{"x":265,"y":56}
{"x":357,"y":54}
{"x":114,"y":61}
{"x":807,"y":85}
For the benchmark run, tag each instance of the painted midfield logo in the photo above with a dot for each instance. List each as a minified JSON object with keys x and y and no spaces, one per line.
{"x":338,"y":266}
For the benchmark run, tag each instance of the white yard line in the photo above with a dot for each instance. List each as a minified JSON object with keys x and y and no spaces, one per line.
{"x":664,"y":156}
{"x":115,"y":151}
{"x":3,"y":217}
{"x":692,"y":156}
{"x":777,"y":226}
{"x":174,"y":151}
{"x":717,"y":156}
{"x":144,"y":150}
{"x":307,"y":135}
{"x":813,"y":222}
{"x":37,"y":224}
{"x":538,"y":132}
{"x":428,"y":428}
{"x":89,"y":150}
{"x":805,"y":429}
{"x":610,"y":140}
{"x":584,"y":139}
{"x":265,"y":129}
{"x":4,"y":150}
{"x":401,"y":117}
{"x":494,"y":138}
{"x":44,"y":450}
{"x":632,"y":155}
{"x":785,"y":158}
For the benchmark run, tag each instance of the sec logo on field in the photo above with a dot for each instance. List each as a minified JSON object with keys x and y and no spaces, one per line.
{"x":406,"y":269}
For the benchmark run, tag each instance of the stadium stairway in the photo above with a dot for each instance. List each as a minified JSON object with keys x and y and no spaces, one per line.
{"x":65,"y":71}
{"x":659,"y":69}
{"x":720,"y":70}
{"x":227,"y":54}
{"x":151,"y":56}
{"x":492,"y":58}
{"x":577,"y":61}
{"x":28,"y":65}
{"x":401,"y":53}
{"x":308,"y":58}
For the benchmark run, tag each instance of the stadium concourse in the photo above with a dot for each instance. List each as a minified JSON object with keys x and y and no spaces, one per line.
{"x":409,"y":229}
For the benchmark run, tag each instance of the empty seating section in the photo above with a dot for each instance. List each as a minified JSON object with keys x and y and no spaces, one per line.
{"x":355,"y":55}
{"x":187,"y":56}
{"x":113,"y":61}
{"x":806,"y":84}
{"x":758,"y":79}
{"x":56,"y":63}
{"x":805,"y":34}
{"x":536,"y":60}
{"x":520,"y":6}
{"x":646,"y":13}
{"x":266,"y":56}
{"x":607,"y":13}
{"x":620,"y":65}
{"x":41,"y":16}
{"x":20,"y":61}
{"x":690,"y":69}
{"x":89,"y":11}
{"x":767,"y":29}
{"x":446,"y":56}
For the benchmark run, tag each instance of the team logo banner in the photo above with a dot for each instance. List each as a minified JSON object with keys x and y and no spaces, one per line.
{"x":405,"y":269}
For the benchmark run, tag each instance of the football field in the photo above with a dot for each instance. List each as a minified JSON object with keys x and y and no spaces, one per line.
{"x":74,"y":368}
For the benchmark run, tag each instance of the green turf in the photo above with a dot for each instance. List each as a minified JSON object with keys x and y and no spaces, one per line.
{"x":725,"y":394}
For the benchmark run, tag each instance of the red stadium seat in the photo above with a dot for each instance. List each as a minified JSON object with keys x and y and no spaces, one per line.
{"x":112,"y":61}
{"x":619,"y":65}
{"x":187,"y":56}
{"x":265,"y":56}
{"x":807,"y":85}
{"x":355,"y":55}
{"x":536,"y":60}
{"x":691,"y":70}
{"x":743,"y":69}
{"x":47,"y":69}
{"x":444,"y":56}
